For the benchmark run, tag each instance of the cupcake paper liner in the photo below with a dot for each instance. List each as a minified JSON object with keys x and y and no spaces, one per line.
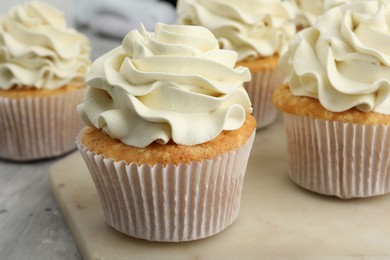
{"x":170,"y":203}
{"x":39,"y":127}
{"x":260,"y":90}
{"x":338,"y":158}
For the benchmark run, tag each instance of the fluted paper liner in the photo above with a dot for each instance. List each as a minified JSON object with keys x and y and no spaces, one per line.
{"x":260,"y":90}
{"x":39,"y":127}
{"x":337,"y":158}
{"x":170,"y":203}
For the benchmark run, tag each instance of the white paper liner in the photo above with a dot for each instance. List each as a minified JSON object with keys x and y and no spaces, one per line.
{"x":39,"y":127}
{"x":337,"y":158}
{"x":171,"y":203}
{"x":260,"y":90}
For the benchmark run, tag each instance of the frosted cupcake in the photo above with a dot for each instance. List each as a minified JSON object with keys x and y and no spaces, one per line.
{"x":258,"y":31}
{"x":43,"y":65}
{"x":170,"y":133}
{"x":337,"y":102}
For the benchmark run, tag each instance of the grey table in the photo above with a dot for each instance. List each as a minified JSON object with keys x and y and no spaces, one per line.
{"x":31,"y":225}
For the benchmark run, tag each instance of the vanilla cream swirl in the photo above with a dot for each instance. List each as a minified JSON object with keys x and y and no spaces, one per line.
{"x":309,"y":10}
{"x":254,"y":28}
{"x":174,"y":83}
{"x":344,"y":60}
{"x":38,"y":50}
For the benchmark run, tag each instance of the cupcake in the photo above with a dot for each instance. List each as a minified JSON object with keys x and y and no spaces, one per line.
{"x":336,"y":102}
{"x":43,"y":65}
{"x":258,"y":31}
{"x":169,"y":133}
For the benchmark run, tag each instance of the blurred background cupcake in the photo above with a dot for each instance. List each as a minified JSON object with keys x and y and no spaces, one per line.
{"x":169,"y":133}
{"x":43,"y":65}
{"x":258,"y":31}
{"x":336,"y":102}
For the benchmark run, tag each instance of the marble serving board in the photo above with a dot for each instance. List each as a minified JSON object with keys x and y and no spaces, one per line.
{"x":278,"y":219}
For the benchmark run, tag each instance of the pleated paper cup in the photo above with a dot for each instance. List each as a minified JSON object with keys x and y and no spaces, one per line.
{"x":338,"y":158}
{"x":260,"y":90}
{"x":170,"y":203}
{"x":39,"y":127}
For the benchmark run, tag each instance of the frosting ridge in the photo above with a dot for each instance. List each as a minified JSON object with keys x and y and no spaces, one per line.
{"x":307,"y":11}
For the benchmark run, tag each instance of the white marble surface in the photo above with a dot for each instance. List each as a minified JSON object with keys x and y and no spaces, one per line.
{"x":277,"y":220}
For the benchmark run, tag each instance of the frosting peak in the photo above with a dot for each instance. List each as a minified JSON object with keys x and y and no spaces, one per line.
{"x":344,"y":60}
{"x":38,"y":50}
{"x":257,"y":28}
{"x":174,"y":83}
{"x":36,"y":14}
{"x":309,"y":10}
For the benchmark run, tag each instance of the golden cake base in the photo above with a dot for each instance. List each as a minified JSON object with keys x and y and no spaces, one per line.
{"x":277,"y":218}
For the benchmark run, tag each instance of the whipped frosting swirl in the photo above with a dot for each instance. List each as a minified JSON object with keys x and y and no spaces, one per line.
{"x":174,"y":83}
{"x":255,"y":29}
{"x":37,"y":50}
{"x":344,"y":60}
{"x":307,"y":11}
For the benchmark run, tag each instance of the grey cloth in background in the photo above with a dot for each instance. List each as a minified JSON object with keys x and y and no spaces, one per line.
{"x":115,"y":18}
